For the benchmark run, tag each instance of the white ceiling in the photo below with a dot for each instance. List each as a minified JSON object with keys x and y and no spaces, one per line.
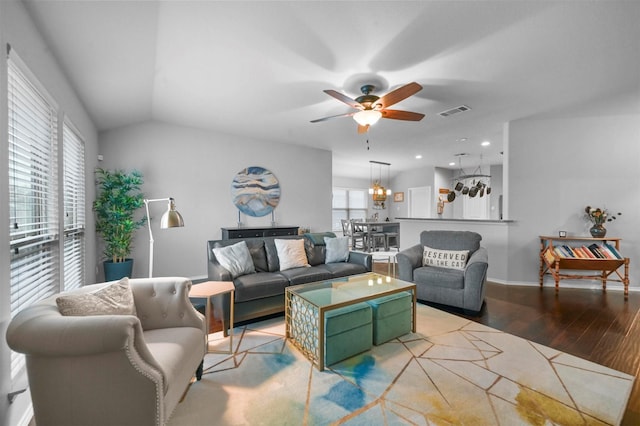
{"x":259,"y":68}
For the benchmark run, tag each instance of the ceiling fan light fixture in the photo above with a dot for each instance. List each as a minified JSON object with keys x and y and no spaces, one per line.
{"x":367,"y":117}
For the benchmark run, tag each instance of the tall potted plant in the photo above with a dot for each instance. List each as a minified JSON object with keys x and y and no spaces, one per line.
{"x":119,"y":197}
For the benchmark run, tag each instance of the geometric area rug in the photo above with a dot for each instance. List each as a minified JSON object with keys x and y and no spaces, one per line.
{"x":452,"y":371}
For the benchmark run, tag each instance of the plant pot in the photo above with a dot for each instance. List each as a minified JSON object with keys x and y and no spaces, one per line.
{"x":118,"y":270}
{"x":598,"y":231}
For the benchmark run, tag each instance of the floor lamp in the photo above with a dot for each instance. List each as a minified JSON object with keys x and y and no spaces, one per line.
{"x":170,"y":219}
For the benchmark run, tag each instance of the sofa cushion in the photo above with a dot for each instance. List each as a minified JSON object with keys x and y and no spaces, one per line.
{"x":291,"y":254}
{"x":455,"y":259}
{"x":172,"y":348}
{"x":337,"y":249}
{"x":114,"y":299}
{"x":306,"y":275}
{"x":344,"y":269}
{"x":315,"y":247}
{"x":259,"y":285}
{"x":258,"y":254}
{"x":440,"y":277}
{"x":235,"y":258}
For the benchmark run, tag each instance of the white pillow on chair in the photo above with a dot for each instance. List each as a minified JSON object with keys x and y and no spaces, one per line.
{"x":452,"y":259}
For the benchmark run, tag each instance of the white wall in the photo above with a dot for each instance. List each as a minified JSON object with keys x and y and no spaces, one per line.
{"x":19,"y":31}
{"x":415,"y":178}
{"x":560,"y":165}
{"x":496,"y":191}
{"x":197,"y":168}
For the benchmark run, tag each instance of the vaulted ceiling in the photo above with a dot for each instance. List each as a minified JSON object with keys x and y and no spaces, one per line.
{"x":259,"y":68}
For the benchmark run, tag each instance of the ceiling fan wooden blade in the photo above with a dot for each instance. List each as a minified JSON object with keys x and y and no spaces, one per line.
{"x":401,"y":115}
{"x":399,"y":94}
{"x":363,"y":129}
{"x":344,"y":98}
{"x":333,"y":116}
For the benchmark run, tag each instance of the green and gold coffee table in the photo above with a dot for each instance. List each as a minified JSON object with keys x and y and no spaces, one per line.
{"x":307,"y":307}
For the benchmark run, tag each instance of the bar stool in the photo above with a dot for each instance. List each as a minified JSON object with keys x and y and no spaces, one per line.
{"x":376,"y":240}
{"x":392,"y":239}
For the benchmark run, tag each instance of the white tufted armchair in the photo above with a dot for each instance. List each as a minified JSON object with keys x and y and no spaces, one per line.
{"x":112,"y":369}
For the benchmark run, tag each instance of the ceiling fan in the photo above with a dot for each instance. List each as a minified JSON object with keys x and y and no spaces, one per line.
{"x":371,"y":107}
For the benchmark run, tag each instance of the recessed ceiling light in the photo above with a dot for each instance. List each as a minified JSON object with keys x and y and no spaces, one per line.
{"x":462,"y":140}
{"x":453,"y":163}
{"x":485,"y":143}
{"x":418,"y":157}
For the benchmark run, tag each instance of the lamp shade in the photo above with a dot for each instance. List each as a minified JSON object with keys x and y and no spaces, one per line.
{"x":171,"y":218}
{"x":367,"y":117}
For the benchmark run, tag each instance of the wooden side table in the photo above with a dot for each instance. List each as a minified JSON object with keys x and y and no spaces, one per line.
{"x":551,"y":263}
{"x":207,"y":290}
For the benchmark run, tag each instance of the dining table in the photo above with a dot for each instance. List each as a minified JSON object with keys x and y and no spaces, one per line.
{"x":369,"y":228}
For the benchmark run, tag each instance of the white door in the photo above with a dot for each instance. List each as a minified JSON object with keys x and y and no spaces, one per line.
{"x":419,"y":201}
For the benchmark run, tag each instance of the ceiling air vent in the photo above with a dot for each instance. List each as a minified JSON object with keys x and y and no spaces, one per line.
{"x":461,"y":108}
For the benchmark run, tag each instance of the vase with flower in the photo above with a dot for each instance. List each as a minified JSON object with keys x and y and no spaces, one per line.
{"x":598,"y":217}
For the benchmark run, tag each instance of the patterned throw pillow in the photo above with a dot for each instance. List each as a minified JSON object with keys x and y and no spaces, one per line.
{"x":235,"y":258}
{"x":115,"y":299}
{"x":291,"y":254}
{"x":453,"y":259}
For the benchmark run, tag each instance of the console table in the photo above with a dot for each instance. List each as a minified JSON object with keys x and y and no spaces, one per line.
{"x":258,"y":231}
{"x":552,"y":263}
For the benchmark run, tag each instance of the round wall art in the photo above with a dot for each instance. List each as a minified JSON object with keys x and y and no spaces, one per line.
{"x":255,"y":191}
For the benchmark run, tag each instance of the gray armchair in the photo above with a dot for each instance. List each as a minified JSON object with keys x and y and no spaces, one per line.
{"x":462,"y":288}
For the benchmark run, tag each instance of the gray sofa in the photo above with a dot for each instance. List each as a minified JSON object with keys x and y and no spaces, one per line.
{"x":461,"y":288}
{"x":111,"y":369}
{"x":262,"y":293}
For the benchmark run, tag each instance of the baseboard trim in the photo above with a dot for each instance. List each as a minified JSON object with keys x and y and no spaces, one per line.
{"x":577,"y":284}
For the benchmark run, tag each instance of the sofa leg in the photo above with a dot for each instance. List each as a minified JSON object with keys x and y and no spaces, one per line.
{"x":200,"y":370}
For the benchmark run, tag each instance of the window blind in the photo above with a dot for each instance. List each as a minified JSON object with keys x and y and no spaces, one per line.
{"x":33,"y":239}
{"x":74,"y":207}
{"x":348,"y":203}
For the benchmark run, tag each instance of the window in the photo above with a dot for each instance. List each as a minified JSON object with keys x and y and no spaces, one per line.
{"x":348,"y":204}
{"x":33,"y":235}
{"x":74,"y":205}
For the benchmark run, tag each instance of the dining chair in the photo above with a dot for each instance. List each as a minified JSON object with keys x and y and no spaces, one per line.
{"x":358,"y":236}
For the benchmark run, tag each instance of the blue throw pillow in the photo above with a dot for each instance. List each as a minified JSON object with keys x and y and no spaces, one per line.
{"x":337,"y":249}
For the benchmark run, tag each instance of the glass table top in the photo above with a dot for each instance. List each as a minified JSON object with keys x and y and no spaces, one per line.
{"x":345,"y":289}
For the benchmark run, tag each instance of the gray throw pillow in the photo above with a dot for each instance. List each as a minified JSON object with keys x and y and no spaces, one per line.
{"x":337,"y":249}
{"x":115,"y":299}
{"x":235,"y":258}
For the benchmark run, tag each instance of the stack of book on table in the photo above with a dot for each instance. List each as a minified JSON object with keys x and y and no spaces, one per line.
{"x":593,"y":251}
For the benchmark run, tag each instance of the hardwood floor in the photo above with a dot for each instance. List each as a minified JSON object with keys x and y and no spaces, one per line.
{"x":593,"y":325}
